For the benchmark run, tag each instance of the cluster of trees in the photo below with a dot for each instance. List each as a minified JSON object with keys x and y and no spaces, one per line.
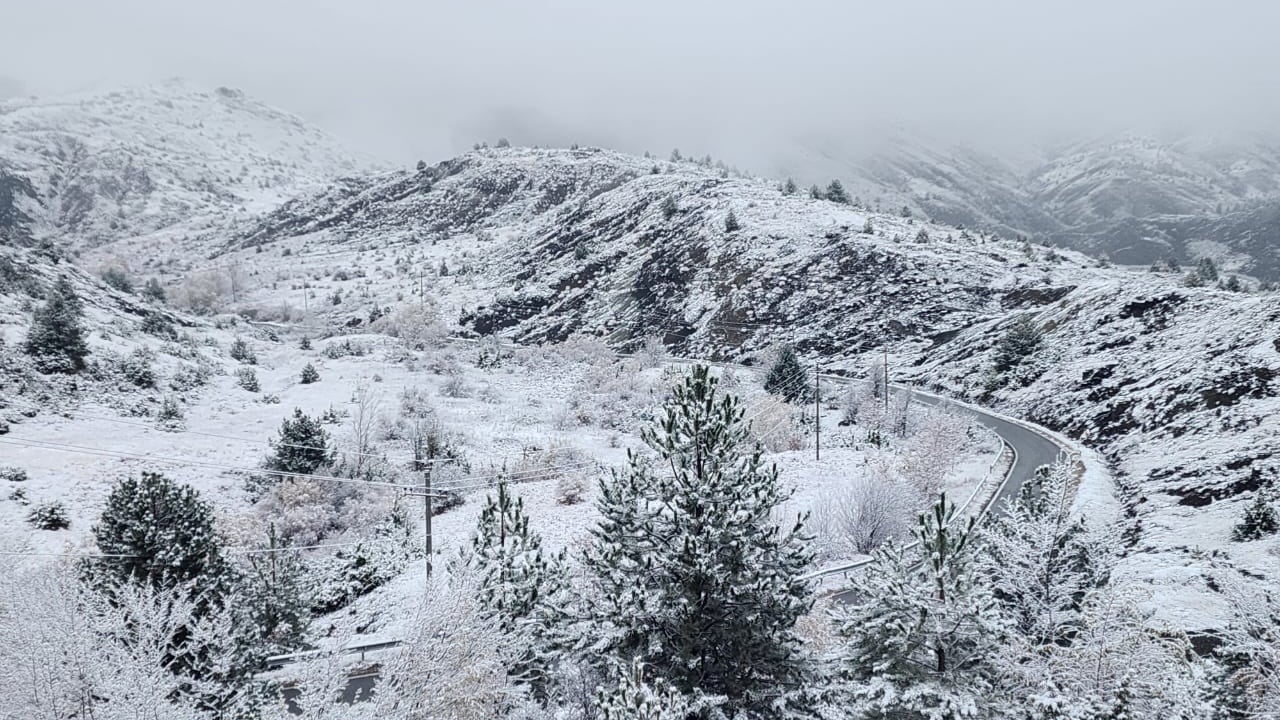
{"x":689,"y":599}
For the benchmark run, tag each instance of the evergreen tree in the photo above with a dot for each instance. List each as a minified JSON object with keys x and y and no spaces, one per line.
{"x":905,"y":212}
{"x":922,"y":632}
{"x":789,"y":187}
{"x":1040,"y":560}
{"x":922,"y":236}
{"x":731,"y":223}
{"x":309,"y":374}
{"x":669,"y":207}
{"x":836,"y":193}
{"x":305,"y":343}
{"x":1021,"y":340}
{"x":787,"y":377}
{"x":1207,"y":270}
{"x":815,"y":192}
{"x":1258,"y":521}
{"x":56,"y":340}
{"x":691,"y":575}
{"x":516,"y":579}
{"x":302,"y":448}
{"x":868,"y":228}
{"x":161,"y":535}
{"x":273,"y":600}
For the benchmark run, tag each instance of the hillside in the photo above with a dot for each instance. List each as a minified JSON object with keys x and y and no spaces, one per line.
{"x":87,"y":170}
{"x":1174,"y":385}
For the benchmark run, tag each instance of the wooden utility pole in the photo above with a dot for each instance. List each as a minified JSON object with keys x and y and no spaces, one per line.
{"x":426,"y":504}
{"x":817,"y":413}
{"x":886,"y":380}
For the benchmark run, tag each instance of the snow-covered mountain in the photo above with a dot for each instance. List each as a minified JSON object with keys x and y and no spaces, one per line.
{"x":1133,"y":198}
{"x":1176,"y":386}
{"x":86,"y":170}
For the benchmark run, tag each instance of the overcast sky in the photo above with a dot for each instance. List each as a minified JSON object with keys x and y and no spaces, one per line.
{"x":405,"y":79}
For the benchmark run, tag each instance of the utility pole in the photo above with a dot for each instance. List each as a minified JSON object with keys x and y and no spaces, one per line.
{"x":426,"y":504}
{"x":886,"y":380}
{"x":817,"y":413}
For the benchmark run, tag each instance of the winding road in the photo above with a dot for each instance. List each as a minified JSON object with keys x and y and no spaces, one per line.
{"x":1032,"y":450}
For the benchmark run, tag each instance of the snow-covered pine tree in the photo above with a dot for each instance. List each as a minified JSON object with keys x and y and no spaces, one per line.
{"x":1021,"y":340}
{"x":922,"y":633}
{"x":731,"y":223}
{"x":1258,"y":520}
{"x":303,"y":446}
{"x":669,"y":207}
{"x":787,"y":377}
{"x":688,"y":571}
{"x":272,"y":599}
{"x":161,"y":535}
{"x":309,"y":374}
{"x":1040,"y":559}
{"x":789,"y":187}
{"x":836,"y":193}
{"x":515,"y":579}
{"x":55,"y":339}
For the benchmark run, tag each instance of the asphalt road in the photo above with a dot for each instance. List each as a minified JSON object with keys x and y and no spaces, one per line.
{"x":1032,"y":449}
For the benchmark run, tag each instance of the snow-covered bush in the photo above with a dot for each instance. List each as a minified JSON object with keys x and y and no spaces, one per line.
{"x":418,"y":325}
{"x":455,"y":387}
{"x":1258,"y":521}
{"x":50,"y":515}
{"x":347,"y":347}
{"x":157,"y":324}
{"x":190,"y":377}
{"x":170,"y":418}
{"x":241,"y":351}
{"x":774,"y":425}
{"x":13,"y":473}
{"x":570,"y":488}
{"x":247,"y":378}
{"x":358,"y":570}
{"x":136,"y":367}
{"x":861,"y":515}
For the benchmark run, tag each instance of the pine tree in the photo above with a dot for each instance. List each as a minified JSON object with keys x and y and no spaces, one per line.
{"x":272,"y":598}
{"x":815,"y":192}
{"x":1258,"y":521}
{"x":868,"y":228}
{"x":731,"y":223}
{"x":302,"y":448}
{"x":691,"y":575}
{"x":836,"y":193}
{"x":1040,"y":559}
{"x":787,"y":377}
{"x":153,"y":291}
{"x":1021,"y":340}
{"x":56,"y":340}
{"x":789,"y":188}
{"x":1207,"y":270}
{"x":309,"y":374}
{"x":669,"y":207}
{"x":305,"y":343}
{"x":161,"y":535}
{"x":922,"y":632}
{"x":516,"y":579}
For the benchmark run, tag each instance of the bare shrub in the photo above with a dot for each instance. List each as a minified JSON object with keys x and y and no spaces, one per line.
{"x":455,"y":387}
{"x":418,"y":325}
{"x":773,"y":424}
{"x":859,"y":516}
